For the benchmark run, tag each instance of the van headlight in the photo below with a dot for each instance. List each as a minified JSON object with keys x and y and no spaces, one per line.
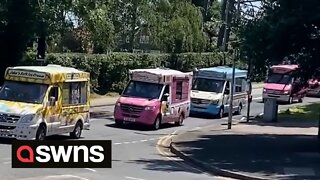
{"x":27,"y":118}
{"x":215,"y":102}
{"x":150,"y":108}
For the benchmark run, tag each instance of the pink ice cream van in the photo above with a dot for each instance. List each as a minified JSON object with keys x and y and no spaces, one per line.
{"x":153,"y":97}
{"x":284,"y":84}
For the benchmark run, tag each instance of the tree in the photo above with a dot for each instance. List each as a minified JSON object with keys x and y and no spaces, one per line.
{"x":285,"y":28}
{"x":16,"y":30}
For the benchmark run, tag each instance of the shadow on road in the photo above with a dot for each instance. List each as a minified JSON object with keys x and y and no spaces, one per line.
{"x":256,"y":154}
{"x":52,"y":138}
{"x":163,"y":165}
{"x":6,"y":140}
{"x":139,"y":127}
{"x":101,"y":114}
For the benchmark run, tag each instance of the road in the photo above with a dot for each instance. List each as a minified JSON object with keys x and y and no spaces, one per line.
{"x":135,"y":156}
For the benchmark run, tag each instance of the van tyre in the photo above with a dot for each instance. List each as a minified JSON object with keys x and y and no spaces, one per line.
{"x":118,"y":123}
{"x":157,"y":123}
{"x":41,"y":133}
{"x":180,"y":120}
{"x":76,"y":133}
{"x":221,"y":113}
{"x":300,"y":100}
{"x":238,"y":112}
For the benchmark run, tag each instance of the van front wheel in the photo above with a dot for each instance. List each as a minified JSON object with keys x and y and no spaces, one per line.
{"x":76,"y":133}
{"x":41,"y":133}
{"x":221,"y":113}
{"x":157,"y":123}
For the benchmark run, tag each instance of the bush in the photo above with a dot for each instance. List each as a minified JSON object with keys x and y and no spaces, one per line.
{"x":109,"y":71}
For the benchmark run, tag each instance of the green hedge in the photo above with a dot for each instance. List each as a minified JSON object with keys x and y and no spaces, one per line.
{"x":109,"y":71}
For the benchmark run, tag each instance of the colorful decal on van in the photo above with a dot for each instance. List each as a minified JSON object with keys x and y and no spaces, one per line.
{"x":18,"y":108}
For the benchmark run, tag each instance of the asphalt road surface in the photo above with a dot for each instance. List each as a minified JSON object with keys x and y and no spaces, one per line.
{"x":134,"y":152}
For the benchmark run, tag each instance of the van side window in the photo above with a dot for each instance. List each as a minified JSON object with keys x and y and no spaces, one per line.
{"x":166,"y":90}
{"x":179,"y":90}
{"x":74,"y":93}
{"x":238,"y":85}
{"x":54,"y":92}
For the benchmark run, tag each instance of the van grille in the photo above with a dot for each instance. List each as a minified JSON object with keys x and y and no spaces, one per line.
{"x":7,"y":127}
{"x":200,"y":101}
{"x":6,"y":118}
{"x":131,"y":108}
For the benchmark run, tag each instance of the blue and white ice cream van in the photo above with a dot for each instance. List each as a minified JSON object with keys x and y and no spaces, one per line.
{"x":211,"y":91}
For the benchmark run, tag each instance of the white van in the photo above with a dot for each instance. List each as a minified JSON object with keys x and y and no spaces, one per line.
{"x":211,"y":91}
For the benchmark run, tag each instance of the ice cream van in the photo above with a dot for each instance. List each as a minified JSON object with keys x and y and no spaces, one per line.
{"x":284,"y":84}
{"x":211,"y":91}
{"x":39,"y":101}
{"x":153,"y":97}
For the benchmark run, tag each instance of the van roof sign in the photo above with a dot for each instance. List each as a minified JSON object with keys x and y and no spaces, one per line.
{"x":221,"y":72}
{"x":27,"y":74}
{"x":156,"y":75}
{"x":46,"y":74}
{"x":146,"y":77}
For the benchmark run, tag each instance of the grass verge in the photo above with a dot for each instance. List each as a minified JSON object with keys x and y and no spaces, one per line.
{"x":310,"y":112}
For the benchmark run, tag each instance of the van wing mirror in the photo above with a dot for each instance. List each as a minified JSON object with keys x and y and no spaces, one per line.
{"x":227,"y":91}
{"x":51,"y":101}
{"x":165,"y":97}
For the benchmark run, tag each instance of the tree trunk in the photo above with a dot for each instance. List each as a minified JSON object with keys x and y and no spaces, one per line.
{"x":133,"y":26}
{"x":222,"y":28}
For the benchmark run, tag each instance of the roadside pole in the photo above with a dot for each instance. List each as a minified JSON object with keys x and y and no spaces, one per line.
{"x":231,"y":91}
{"x":319,"y":126}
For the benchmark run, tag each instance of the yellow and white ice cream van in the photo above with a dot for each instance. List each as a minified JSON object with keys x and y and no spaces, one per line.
{"x":39,"y":101}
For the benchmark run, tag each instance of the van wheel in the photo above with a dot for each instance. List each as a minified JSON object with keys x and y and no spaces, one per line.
{"x":157,"y":123}
{"x":41,"y":133}
{"x":180,"y":121}
{"x":118,"y":123}
{"x":76,"y":134}
{"x":238,"y":112}
{"x":221,"y":113}
{"x":300,"y":100}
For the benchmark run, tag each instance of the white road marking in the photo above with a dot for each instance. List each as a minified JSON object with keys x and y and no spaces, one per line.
{"x":196,"y":128}
{"x":137,"y":141}
{"x":173,"y":159}
{"x":133,"y":178}
{"x":89,"y":169}
{"x":100,"y":119}
{"x":66,"y":176}
{"x":299,"y":171}
{"x":257,"y":98}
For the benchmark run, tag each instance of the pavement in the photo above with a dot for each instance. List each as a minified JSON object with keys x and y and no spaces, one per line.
{"x":135,"y":155}
{"x":257,"y":150}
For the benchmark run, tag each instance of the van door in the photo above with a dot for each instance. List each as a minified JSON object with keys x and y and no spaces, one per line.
{"x":226,"y":96}
{"x":166,"y":104}
{"x":239,"y":94}
{"x":74,"y":105}
{"x":53,"y":111}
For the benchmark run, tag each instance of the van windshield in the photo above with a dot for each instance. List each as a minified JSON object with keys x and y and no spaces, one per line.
{"x":208,"y":85}
{"x":279,"y":79}
{"x":23,"y":92}
{"x":143,"y":90}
